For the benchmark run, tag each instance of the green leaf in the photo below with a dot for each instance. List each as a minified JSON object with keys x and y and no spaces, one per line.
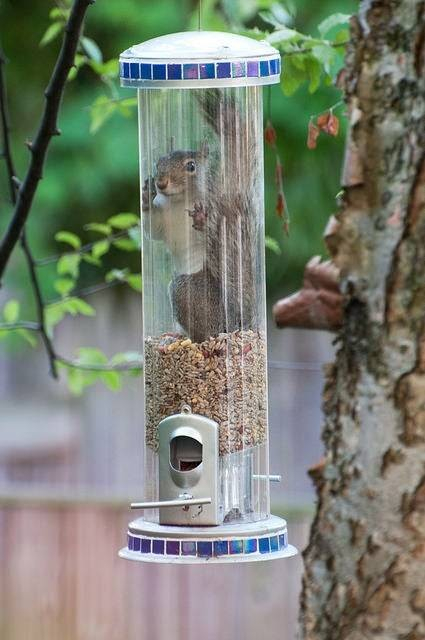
{"x":91,"y":355}
{"x":79,"y":61}
{"x":69,"y":238}
{"x":126,"y":357}
{"x":125,"y":107}
{"x":11,"y":311}
{"x":100,"y":248}
{"x":73,"y":306}
{"x":238,"y":11}
{"x":55,"y":13}
{"x":292,"y":77}
{"x":299,"y":61}
{"x":100,"y":111}
{"x":314,"y":71}
{"x":87,"y":257}
{"x":73,"y":72}
{"x":51,"y":33}
{"x":125,"y":244}
{"x":116,"y":274}
{"x":332,"y":21}
{"x":279,"y":16}
{"x":28,"y":336}
{"x":265,"y":4}
{"x":92,"y":49}
{"x":135,"y":234}
{"x":123,"y":220}
{"x":273,"y":245}
{"x":129,"y":357}
{"x":56,"y":311}
{"x":342,"y":36}
{"x":284,"y":35}
{"x":69,"y":264}
{"x":112,"y":379}
{"x":135,"y":281}
{"x":53,"y":314}
{"x":109,"y":69}
{"x":99,"y":227}
{"x":76,"y":381}
{"x":64,"y":285}
{"x":325,"y":55}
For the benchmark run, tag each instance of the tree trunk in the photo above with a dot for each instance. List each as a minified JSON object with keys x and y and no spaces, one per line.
{"x":365,"y":563}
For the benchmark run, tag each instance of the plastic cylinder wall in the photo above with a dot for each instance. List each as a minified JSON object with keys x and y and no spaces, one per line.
{"x":201,"y":163}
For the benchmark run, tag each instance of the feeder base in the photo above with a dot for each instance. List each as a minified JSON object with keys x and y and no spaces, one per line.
{"x":246,"y":542}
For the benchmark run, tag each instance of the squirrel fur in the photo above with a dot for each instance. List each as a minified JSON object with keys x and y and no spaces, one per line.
{"x":206,"y":214}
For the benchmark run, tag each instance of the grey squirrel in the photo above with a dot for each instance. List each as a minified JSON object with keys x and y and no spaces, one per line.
{"x":206,"y":214}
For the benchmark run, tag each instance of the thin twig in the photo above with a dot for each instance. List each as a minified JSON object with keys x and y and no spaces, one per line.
{"x":125,"y":366}
{"x":47,"y":129}
{"x":338,"y":104}
{"x":5,"y":127}
{"x":14,"y":186}
{"x":23,"y":324}
{"x":39,"y":303}
{"x":87,"y":291}
{"x":294,"y":52}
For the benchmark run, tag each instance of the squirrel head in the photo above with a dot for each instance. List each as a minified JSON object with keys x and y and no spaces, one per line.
{"x":182,"y":173}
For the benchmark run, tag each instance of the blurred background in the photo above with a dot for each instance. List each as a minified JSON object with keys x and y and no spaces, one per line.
{"x":69,"y":465}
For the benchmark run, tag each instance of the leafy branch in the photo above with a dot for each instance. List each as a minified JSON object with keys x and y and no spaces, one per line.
{"x":47,"y":129}
{"x":90,"y":364}
{"x":14,"y":186}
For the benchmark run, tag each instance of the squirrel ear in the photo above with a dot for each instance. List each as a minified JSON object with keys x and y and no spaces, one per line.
{"x":205,"y":150}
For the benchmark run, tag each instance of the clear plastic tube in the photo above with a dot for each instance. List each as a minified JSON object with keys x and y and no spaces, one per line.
{"x":203,"y":280}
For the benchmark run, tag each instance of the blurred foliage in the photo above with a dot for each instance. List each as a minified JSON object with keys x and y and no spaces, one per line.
{"x":92,"y":169}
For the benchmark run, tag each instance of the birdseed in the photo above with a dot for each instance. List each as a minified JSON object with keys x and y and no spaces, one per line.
{"x":222,"y":378}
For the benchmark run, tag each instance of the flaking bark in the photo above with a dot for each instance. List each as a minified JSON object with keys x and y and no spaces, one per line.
{"x":365,"y":563}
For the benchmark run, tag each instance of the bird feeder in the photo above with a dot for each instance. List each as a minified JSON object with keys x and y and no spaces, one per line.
{"x":206,"y":456}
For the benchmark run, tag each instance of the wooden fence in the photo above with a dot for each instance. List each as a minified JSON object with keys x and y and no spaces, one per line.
{"x":61,"y":579}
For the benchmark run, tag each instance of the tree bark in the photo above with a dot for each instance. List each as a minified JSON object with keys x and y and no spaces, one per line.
{"x":365,"y":563}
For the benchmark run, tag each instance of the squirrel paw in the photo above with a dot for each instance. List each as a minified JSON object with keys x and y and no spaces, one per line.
{"x":198,"y":215}
{"x":148,"y":193}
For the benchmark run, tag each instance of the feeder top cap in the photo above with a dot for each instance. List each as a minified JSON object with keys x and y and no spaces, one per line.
{"x":197,"y":59}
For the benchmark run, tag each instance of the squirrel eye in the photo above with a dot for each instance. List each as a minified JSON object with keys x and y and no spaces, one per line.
{"x":190,"y":166}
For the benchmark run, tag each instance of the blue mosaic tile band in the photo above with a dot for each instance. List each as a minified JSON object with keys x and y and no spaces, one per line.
{"x":208,"y":548}
{"x":199,"y":71}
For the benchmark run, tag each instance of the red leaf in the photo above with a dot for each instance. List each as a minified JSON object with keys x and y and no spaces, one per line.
{"x":278,"y":173}
{"x":322,"y":121}
{"x":333,"y":125}
{"x":270,"y":135}
{"x":313,"y":134}
{"x":328,"y":123}
{"x":280,"y":205}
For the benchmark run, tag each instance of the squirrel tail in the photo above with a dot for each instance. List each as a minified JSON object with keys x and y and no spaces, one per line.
{"x":235,"y":123}
{"x":234,"y":251}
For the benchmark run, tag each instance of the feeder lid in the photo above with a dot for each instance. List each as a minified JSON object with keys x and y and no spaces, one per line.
{"x":196,"y":59}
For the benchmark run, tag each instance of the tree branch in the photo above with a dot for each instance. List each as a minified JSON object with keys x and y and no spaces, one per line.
{"x":5,"y":127}
{"x":318,"y":305}
{"x":47,"y":129}
{"x":14,"y":186}
{"x":39,"y":306}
